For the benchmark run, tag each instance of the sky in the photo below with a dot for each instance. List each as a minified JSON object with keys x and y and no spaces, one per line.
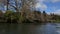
{"x":50,"y":6}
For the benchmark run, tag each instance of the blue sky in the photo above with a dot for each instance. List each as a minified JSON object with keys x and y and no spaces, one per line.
{"x":50,"y":6}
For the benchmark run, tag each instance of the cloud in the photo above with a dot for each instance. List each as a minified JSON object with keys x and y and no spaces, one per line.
{"x":57,"y":12}
{"x":53,"y":1}
{"x":40,"y":4}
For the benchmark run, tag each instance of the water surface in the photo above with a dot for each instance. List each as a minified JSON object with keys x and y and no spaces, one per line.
{"x":30,"y":28}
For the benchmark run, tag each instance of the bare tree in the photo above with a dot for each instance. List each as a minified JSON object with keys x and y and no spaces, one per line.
{"x":27,"y":5}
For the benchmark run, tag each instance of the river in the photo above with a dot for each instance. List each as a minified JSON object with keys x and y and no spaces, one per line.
{"x":49,"y":28}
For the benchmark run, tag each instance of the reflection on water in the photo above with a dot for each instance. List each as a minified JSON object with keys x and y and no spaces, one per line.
{"x":29,"y":29}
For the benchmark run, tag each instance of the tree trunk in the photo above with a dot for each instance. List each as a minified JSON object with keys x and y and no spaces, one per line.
{"x":7,"y":4}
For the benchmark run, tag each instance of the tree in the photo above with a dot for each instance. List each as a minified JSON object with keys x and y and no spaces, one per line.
{"x":16,"y":4}
{"x":1,"y":13}
{"x":8,"y":16}
{"x":45,"y":16}
{"x":26,"y":6}
{"x":7,"y":4}
{"x":44,"y":13}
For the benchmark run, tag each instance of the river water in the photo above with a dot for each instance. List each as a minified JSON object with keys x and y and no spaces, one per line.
{"x":48,"y":28}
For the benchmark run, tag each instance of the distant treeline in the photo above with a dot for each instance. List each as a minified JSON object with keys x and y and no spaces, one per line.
{"x":27,"y":17}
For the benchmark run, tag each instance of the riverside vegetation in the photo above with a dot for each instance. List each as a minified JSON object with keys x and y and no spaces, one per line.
{"x":30,"y":17}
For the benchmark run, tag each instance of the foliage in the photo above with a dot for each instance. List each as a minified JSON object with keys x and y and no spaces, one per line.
{"x":14,"y":17}
{"x":11,"y":15}
{"x":8,"y":13}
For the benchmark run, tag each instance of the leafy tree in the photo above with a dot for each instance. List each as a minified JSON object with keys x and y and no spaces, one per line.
{"x":8,"y":15}
{"x":44,"y":13}
{"x":44,"y":16}
{"x":1,"y":13}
